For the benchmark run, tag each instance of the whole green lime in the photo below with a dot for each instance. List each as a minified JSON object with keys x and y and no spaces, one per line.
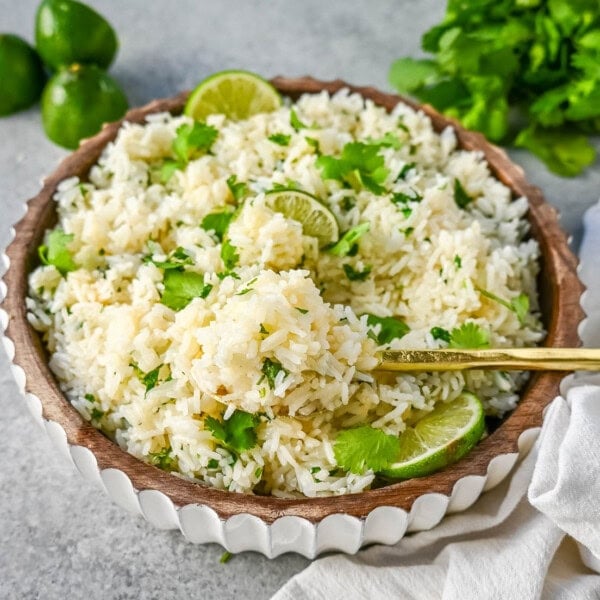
{"x":77,"y":101}
{"x":21,"y":74}
{"x":68,"y":32}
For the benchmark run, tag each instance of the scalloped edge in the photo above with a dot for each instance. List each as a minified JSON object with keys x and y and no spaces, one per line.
{"x":201,"y":524}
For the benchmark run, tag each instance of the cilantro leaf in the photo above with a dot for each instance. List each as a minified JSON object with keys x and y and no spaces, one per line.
{"x":281,"y":139}
{"x":353,"y":275}
{"x":469,"y":336}
{"x":193,"y":139}
{"x":409,"y":75}
{"x":181,"y":287}
{"x":238,"y":433}
{"x":359,"y":166}
{"x":175,"y":260}
{"x":439,"y":333}
{"x":168,"y":168}
{"x":270,"y":370}
{"x":150,"y":379}
{"x":56,"y":251}
{"x":405,"y":170}
{"x":389,"y":140}
{"x":461,"y":197}
{"x":362,"y":448}
{"x":229,"y":255}
{"x":344,"y":245}
{"x":164,"y":459}
{"x":390,"y":328}
{"x":295,"y":122}
{"x":217,"y":222}
{"x":519,"y":304}
{"x":314,"y":143}
{"x":238,"y":189}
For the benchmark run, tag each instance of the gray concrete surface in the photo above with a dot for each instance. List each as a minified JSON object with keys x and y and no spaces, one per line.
{"x":59,"y":536}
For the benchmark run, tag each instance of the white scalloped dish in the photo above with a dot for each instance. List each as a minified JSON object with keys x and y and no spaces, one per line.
{"x":266,"y":524}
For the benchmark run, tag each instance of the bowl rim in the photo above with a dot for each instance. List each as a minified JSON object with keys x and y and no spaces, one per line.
{"x":565,"y":317}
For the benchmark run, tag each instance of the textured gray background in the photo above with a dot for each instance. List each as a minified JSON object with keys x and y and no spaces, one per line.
{"x":59,"y":536}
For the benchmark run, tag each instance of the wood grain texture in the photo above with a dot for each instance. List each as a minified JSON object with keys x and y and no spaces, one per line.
{"x":559,"y":290}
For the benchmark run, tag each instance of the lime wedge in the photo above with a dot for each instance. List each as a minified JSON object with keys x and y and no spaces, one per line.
{"x":317,"y":220}
{"x":235,"y":94}
{"x":440,"y":438}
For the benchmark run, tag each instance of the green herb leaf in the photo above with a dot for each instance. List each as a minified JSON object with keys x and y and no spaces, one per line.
{"x":469,"y":336}
{"x":359,"y":166}
{"x":409,"y":75}
{"x":519,"y":304}
{"x":181,"y":287}
{"x":164,"y":459}
{"x":314,"y":143}
{"x":439,"y":333}
{"x":175,"y":260}
{"x":353,"y":275}
{"x":225,"y":557}
{"x":229,"y":255}
{"x":390,"y":328}
{"x":344,"y":245}
{"x":389,"y":140}
{"x":405,"y":170}
{"x":238,"y":189}
{"x":168,"y":169}
{"x":217,"y":222}
{"x":191,"y":140}
{"x":295,"y":122}
{"x":461,"y":197}
{"x":458,"y":261}
{"x":150,"y":379}
{"x":238,"y":433}
{"x":270,"y":369}
{"x":363,"y":448}
{"x":56,"y":251}
{"x":280,"y":139}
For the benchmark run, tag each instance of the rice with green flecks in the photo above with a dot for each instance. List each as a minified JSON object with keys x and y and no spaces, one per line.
{"x":210,"y":335}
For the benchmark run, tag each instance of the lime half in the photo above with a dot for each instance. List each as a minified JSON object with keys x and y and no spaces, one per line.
{"x":317,"y":220}
{"x":235,"y":94}
{"x":440,"y":438}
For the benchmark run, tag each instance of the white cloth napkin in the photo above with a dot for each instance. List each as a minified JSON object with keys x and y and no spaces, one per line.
{"x":519,"y":541}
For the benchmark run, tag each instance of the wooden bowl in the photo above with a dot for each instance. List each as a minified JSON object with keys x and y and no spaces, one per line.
{"x":559,"y":291}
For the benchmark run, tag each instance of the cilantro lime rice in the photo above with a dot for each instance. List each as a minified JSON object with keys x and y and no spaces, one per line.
{"x":209,"y":335}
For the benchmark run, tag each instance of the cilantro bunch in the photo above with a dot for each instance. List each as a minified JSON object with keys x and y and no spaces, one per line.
{"x":523,"y":72}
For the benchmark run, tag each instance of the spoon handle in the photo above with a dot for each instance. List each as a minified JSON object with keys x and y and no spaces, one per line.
{"x":526,"y":359}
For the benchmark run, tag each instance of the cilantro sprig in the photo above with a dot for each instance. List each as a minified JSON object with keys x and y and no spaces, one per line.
{"x":181,"y":287}
{"x":56,"y":251}
{"x":360,"y":166}
{"x":238,"y":433}
{"x":217,"y":222}
{"x":534,"y":60}
{"x":519,"y":304}
{"x":390,"y":328}
{"x":362,"y":448}
{"x":191,"y":140}
{"x":347,"y":244}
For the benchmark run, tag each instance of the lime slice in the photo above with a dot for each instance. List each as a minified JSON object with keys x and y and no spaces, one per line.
{"x":235,"y":94}
{"x":440,"y":438}
{"x":317,"y":220}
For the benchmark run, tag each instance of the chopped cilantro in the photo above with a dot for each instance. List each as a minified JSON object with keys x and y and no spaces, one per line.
{"x":469,"y":336}
{"x":348,"y":203}
{"x":56,"y":251}
{"x":359,"y":166}
{"x":280,"y":139}
{"x":213,"y":463}
{"x":405,"y":170}
{"x":258,"y":472}
{"x":90,"y":398}
{"x":96,"y":414}
{"x":353,"y":275}
{"x":150,"y":379}
{"x":389,"y":140}
{"x":402,"y":198}
{"x":229,"y":255}
{"x":461,"y":197}
{"x":519,"y":304}
{"x":345,"y":244}
{"x":390,"y":328}
{"x":302,"y":311}
{"x":181,"y":287}
{"x":263,"y":330}
{"x":270,"y":369}
{"x":439,"y":333}
{"x":238,"y":433}
{"x":190,"y":141}
{"x":314,"y":143}
{"x":295,"y":122}
{"x":175,"y":260}
{"x":363,"y":448}
{"x":164,"y":459}
{"x":237,"y":188}
{"x":458,"y":261}
{"x":407,"y":231}
{"x":217,"y":222}
{"x":225,"y":557}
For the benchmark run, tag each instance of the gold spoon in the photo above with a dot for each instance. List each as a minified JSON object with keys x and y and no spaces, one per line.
{"x":526,"y":359}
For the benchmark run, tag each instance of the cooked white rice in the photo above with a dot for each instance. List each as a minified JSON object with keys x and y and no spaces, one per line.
{"x":105,"y":325}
